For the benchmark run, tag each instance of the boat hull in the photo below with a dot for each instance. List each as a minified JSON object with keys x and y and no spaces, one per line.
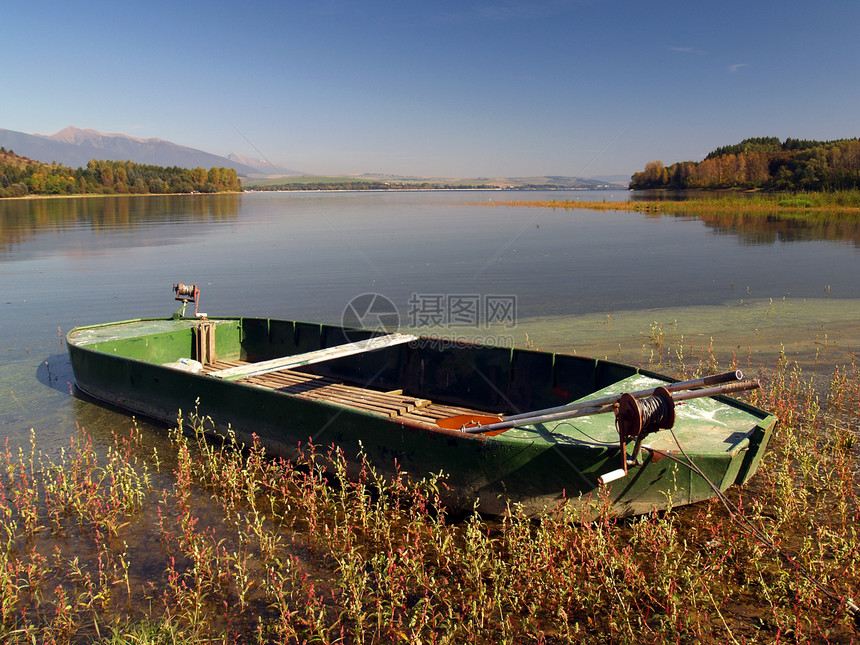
{"x":536,"y":468}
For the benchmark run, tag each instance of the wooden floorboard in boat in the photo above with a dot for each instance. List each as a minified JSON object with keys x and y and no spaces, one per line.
{"x":432,"y":413}
{"x":313,"y":386}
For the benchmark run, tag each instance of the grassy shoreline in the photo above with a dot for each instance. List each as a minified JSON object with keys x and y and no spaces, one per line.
{"x":25,"y":197}
{"x":845,"y":203}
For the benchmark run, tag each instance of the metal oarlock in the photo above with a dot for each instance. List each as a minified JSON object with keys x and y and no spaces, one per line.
{"x":187,"y":293}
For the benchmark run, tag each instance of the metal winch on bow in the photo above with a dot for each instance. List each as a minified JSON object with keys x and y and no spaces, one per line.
{"x":637,"y":418}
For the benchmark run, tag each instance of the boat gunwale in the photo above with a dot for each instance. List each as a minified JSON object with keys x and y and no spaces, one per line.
{"x":414,"y":425}
{"x":764,"y":419}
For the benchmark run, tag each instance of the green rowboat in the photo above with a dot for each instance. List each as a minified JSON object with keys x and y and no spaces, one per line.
{"x":429,"y":405}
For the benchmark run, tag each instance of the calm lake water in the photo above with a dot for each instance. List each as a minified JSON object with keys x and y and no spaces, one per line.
{"x":574,"y":280}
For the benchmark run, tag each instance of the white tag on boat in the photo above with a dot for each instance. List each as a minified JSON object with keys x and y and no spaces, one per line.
{"x":185,"y":365}
{"x":611,"y":476}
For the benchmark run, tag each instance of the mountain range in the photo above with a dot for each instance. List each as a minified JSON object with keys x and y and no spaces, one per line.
{"x":75,"y":148}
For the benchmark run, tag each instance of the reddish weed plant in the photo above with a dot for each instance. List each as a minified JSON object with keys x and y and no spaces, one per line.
{"x":231,"y":545}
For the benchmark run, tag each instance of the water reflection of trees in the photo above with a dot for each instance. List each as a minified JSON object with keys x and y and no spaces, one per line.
{"x":757,"y":230}
{"x":24,"y":220}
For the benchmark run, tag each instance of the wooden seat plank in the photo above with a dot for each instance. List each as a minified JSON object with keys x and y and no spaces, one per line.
{"x":316,"y":356}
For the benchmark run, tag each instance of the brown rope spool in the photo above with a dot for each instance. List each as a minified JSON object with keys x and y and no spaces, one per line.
{"x":185,"y":290}
{"x":636,"y":418}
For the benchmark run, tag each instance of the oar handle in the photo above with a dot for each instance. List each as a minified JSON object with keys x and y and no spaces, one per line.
{"x":706,"y":381}
{"x":727,"y":388}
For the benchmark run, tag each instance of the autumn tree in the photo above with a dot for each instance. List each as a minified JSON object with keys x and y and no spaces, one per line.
{"x":764,"y":162}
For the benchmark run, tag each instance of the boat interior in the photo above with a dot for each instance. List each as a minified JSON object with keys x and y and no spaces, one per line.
{"x":391,"y":403}
{"x":416,"y":379}
{"x":412,"y":378}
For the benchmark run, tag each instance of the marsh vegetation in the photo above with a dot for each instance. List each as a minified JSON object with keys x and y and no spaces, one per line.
{"x":807,"y":206}
{"x":220,"y":543}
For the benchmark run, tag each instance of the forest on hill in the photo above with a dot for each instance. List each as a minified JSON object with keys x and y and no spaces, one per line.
{"x":20,"y":177}
{"x":765,"y":163}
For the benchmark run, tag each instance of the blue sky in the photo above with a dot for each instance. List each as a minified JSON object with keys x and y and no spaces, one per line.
{"x":442,"y":88}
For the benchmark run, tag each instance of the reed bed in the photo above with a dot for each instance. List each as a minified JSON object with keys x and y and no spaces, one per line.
{"x":798,"y":205}
{"x":218,"y":543}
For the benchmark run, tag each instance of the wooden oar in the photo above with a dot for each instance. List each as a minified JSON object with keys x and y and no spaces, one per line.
{"x":467,"y":421}
{"x":496,"y":427}
{"x":309,"y":358}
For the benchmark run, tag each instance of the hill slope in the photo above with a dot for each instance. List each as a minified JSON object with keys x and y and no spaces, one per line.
{"x":75,"y":148}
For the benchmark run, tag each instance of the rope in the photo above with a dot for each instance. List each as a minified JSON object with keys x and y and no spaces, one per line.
{"x":655,"y":411}
{"x":758,"y":534}
{"x":184,"y":289}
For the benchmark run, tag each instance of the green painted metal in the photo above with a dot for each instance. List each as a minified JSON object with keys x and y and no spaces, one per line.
{"x":536,"y":466}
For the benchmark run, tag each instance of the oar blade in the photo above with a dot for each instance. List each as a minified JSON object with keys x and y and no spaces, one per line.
{"x":467,"y":421}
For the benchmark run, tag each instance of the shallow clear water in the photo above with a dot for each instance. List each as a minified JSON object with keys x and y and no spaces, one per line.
{"x":599,"y":283}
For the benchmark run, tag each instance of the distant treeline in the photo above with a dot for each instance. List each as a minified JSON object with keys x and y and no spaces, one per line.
{"x":365,"y":185}
{"x":20,"y":177}
{"x":763,"y":162}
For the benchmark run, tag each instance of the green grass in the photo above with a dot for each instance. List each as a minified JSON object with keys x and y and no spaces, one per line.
{"x":803,"y":205}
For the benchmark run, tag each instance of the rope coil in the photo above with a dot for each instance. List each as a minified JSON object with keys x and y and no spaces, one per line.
{"x":185,"y":289}
{"x":656,"y":411}
{"x":186,"y":293}
{"x":636,"y":418}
